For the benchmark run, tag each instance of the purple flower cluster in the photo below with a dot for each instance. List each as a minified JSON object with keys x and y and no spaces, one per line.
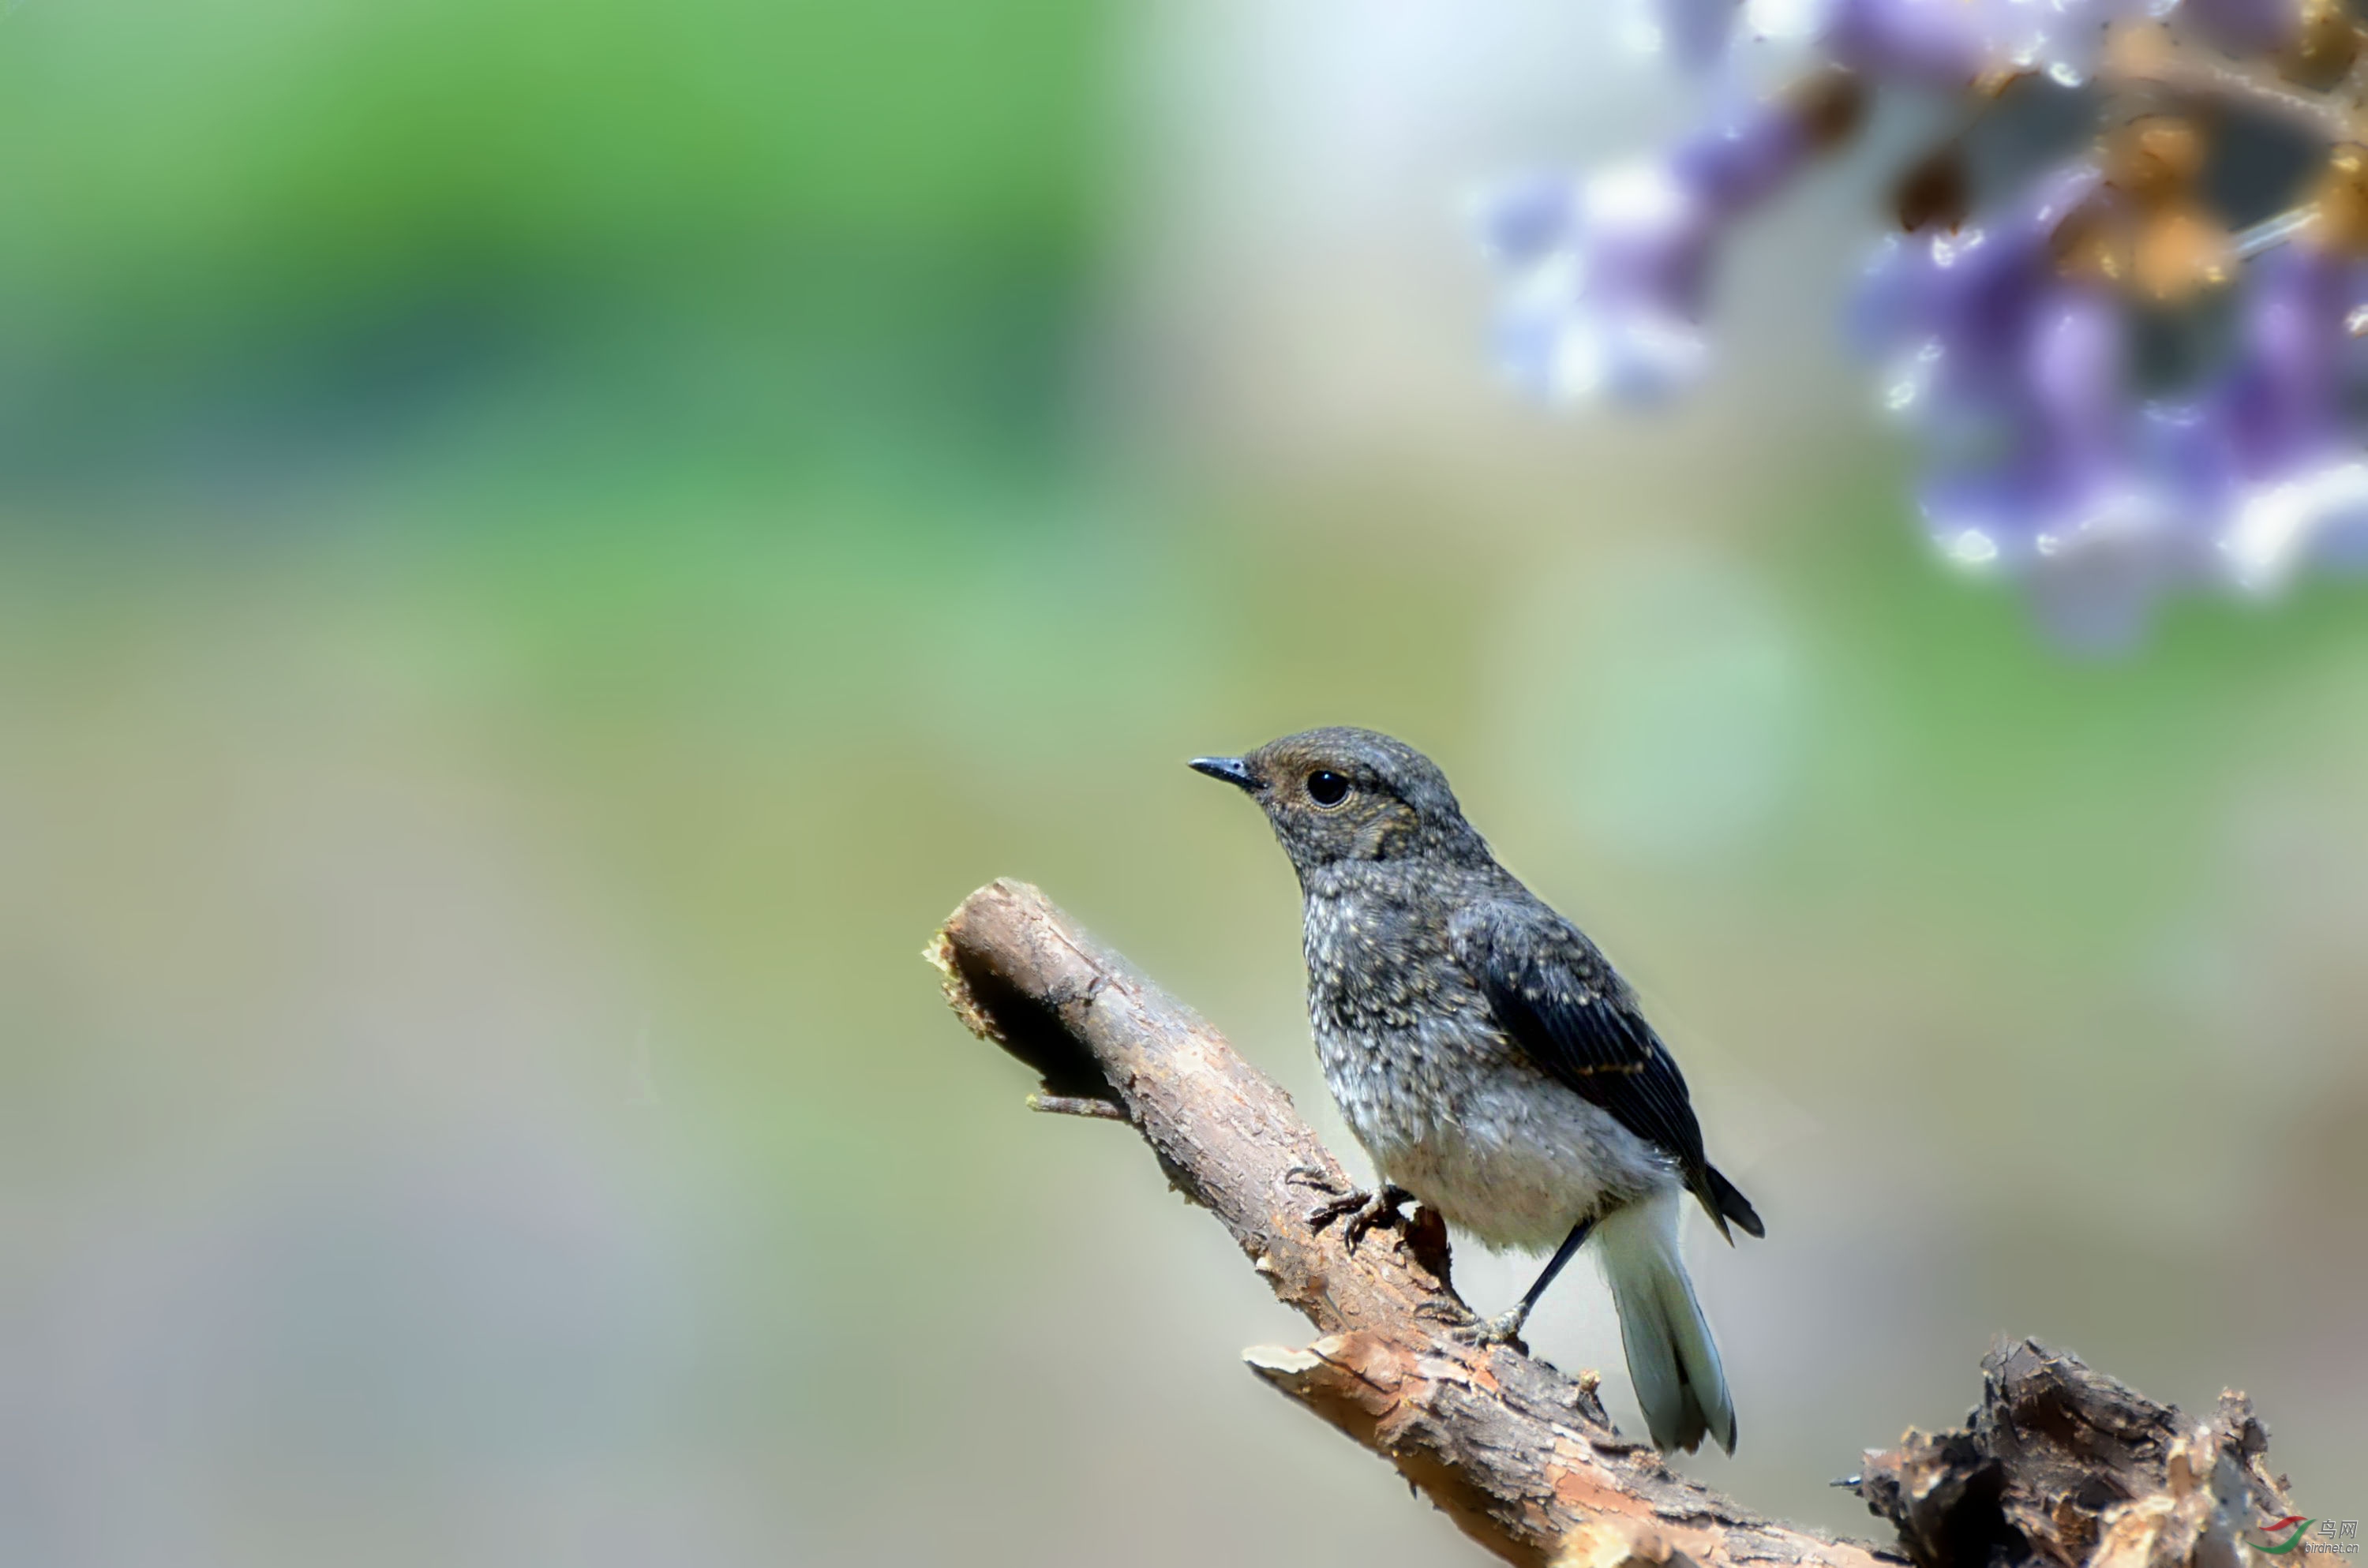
{"x":1608,"y":273}
{"x":2123,"y":380}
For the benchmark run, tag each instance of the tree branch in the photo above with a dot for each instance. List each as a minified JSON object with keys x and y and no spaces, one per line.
{"x":2059,"y":1465}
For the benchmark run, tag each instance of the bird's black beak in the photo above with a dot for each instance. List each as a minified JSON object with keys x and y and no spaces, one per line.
{"x":1231,"y":769}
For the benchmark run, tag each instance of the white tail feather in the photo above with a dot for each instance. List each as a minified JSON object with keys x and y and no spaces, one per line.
{"x":1672,"y":1360}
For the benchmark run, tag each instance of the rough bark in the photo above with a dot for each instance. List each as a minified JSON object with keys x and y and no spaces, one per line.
{"x":2059,"y":1466}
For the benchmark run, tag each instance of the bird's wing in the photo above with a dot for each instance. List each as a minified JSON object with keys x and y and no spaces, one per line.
{"x":1561,"y":1002}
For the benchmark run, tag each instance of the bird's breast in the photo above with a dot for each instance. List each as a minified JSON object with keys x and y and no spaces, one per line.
{"x":1399,"y":1031}
{"x":1379,"y":962}
{"x":1442,"y":1097}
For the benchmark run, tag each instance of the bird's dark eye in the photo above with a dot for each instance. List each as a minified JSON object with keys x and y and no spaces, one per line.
{"x":1326,"y":789}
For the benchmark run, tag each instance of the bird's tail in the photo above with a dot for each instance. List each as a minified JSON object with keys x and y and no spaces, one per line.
{"x":1672,"y":1359}
{"x":1725,"y":1201}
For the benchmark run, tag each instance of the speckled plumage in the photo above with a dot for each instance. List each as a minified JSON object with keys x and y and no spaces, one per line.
{"x":1447,"y":1103}
{"x":1481,"y":1049}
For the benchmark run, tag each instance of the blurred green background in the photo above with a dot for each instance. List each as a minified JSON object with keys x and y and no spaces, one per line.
{"x":544,"y":547}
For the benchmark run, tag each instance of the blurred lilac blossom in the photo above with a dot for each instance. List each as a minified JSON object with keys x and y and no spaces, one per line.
{"x":2017,"y":319}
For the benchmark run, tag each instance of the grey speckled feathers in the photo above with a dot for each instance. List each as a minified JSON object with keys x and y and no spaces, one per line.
{"x":1488,"y":1056}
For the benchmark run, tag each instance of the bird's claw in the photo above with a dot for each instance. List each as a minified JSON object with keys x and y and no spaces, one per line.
{"x":1315,"y":1177}
{"x":1359,"y":1211}
{"x":1505,"y":1328}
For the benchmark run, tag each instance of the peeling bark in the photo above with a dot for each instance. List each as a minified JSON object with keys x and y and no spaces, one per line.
{"x":2059,"y":1466}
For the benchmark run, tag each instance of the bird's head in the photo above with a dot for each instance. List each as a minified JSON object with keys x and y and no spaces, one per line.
{"x":1340,"y":794}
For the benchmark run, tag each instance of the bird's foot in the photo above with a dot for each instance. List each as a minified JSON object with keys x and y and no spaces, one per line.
{"x":1359,"y":1211}
{"x":1448,"y":1310}
{"x":1505,"y":1328}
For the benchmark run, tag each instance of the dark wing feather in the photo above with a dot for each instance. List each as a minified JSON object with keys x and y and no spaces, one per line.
{"x":1561,"y":1001}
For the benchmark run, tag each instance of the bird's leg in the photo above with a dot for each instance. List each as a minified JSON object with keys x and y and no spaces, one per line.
{"x":1360,"y":1211}
{"x":1505,"y":1328}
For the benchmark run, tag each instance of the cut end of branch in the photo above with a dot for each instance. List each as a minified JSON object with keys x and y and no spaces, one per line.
{"x":1008,"y":972}
{"x":939,"y":954}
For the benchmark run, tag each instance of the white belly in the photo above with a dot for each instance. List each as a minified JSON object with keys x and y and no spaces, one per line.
{"x":1509,"y":1156}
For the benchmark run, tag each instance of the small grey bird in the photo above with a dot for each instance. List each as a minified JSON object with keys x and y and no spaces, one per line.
{"x":1489,"y":1058}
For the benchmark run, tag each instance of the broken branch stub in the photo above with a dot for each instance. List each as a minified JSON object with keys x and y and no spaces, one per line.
{"x":2063,"y":1465}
